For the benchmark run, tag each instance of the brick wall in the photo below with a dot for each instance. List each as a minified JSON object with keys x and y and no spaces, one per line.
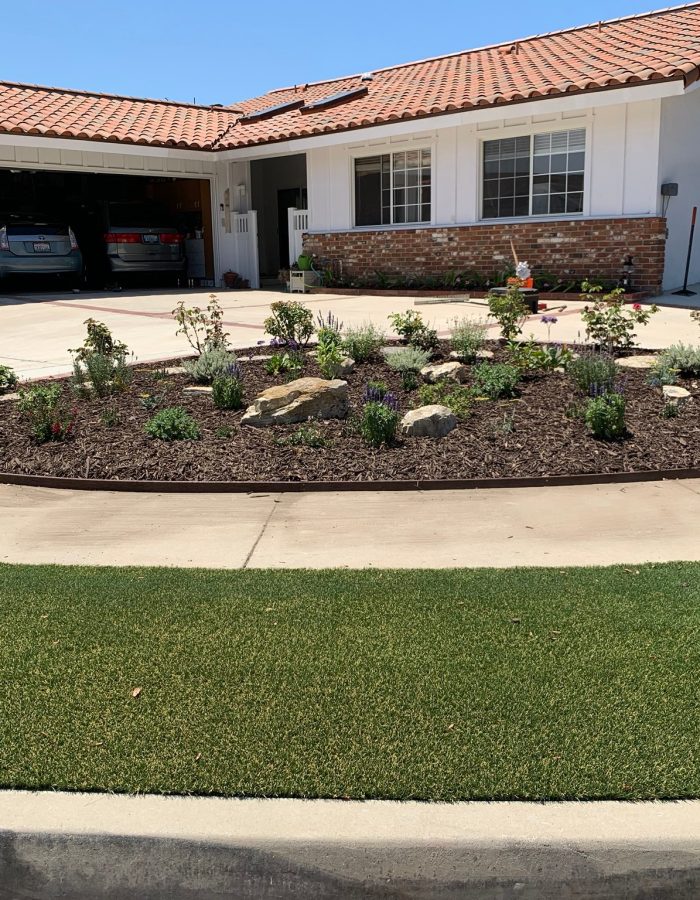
{"x":584,"y":248}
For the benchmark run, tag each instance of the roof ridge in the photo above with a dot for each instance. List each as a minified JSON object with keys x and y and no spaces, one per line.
{"x":518,"y":40}
{"x":101,"y":94}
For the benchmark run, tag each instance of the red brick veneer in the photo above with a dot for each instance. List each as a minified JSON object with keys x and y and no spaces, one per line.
{"x":583,"y":248}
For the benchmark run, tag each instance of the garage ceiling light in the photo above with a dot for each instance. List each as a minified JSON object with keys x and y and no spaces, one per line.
{"x":340,"y":97}
{"x":271,"y":111}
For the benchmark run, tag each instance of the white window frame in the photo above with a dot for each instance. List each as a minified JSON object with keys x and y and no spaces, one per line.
{"x":531,"y":131}
{"x":382,"y":150}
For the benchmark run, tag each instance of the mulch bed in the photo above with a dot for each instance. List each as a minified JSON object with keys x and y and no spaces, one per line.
{"x":528,"y":437}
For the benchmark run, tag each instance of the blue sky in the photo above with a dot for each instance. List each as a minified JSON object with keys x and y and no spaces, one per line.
{"x":220,"y":52}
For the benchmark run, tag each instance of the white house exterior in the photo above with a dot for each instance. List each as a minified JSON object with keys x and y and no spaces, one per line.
{"x":579,"y":165}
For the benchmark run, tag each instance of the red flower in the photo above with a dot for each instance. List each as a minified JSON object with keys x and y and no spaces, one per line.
{"x":636,"y":306}
{"x":55,"y":428}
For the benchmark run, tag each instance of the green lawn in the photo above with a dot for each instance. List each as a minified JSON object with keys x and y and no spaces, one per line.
{"x":446,"y":685}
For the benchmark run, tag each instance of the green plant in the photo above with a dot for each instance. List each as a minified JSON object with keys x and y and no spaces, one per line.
{"x":455,"y":396}
{"x":529,"y":356}
{"x":99,"y":366}
{"x":224,"y":432}
{"x":609,"y":322}
{"x":407,"y":362}
{"x":203,"y":329}
{"x":8,"y":379}
{"x":509,"y":310}
{"x":670,"y":411}
{"x":378,"y":423}
{"x":290,"y":324}
{"x":467,"y":337}
{"x":172,"y":424}
{"x":411,"y":328}
{"x":227,"y":391}
{"x":329,"y":354}
{"x":44,"y":408}
{"x":506,"y":425}
{"x":361,"y":342}
{"x":661,"y":373}
{"x":150,"y":401}
{"x":99,"y":339}
{"x":284,"y":363}
{"x":605,"y":416}
{"x":304,"y":436}
{"x":375,"y":390}
{"x":111,"y":417}
{"x":210,"y":364}
{"x":593,"y":372}
{"x":495,"y":380}
{"x":682,"y":357}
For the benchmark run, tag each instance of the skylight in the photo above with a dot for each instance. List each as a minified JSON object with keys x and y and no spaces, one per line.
{"x":332,"y":99}
{"x":272,"y":110}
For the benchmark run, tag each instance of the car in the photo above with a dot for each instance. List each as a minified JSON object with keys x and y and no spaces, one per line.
{"x":139,"y":239}
{"x":39,"y":248}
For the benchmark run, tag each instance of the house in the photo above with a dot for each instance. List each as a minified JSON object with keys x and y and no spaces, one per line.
{"x":580,"y":146}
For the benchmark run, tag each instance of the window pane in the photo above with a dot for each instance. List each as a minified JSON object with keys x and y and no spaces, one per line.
{"x":562,"y":154}
{"x":490,"y":209}
{"x":540,"y":205}
{"x":522,"y":165}
{"x":490,"y":189}
{"x":540,"y":165}
{"x":425,"y":157}
{"x":399,"y":214}
{"x":368,"y":190}
{"x":507,"y":187}
{"x":557,"y":203}
{"x":413,"y":159}
{"x":399,"y":179}
{"x":413,"y":177}
{"x":413,"y":213}
{"x":399,"y":197}
{"x":491,"y":168}
{"x":503,"y":159}
{"x":522,"y":187}
{"x":574,"y":183}
{"x":413,"y":195}
{"x":506,"y":207}
{"x":425,"y":212}
{"x":507,"y":166}
{"x":540,"y":184}
{"x":399,"y":161}
{"x":558,"y":162}
{"x":425,"y":195}
{"x":522,"y":206}
{"x":576,"y":162}
{"x":574,"y":203}
{"x":557,"y":184}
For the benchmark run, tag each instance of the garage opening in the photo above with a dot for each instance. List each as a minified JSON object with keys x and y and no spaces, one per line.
{"x":129,"y":230}
{"x":277,"y":185}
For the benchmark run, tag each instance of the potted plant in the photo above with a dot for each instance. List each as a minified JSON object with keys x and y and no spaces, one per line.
{"x":231,"y":279}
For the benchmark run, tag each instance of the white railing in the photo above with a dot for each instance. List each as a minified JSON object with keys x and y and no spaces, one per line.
{"x":245,"y":232}
{"x":298,"y":223}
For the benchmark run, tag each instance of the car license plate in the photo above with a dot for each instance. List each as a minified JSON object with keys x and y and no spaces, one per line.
{"x":150,"y":238}
{"x":42,"y":247}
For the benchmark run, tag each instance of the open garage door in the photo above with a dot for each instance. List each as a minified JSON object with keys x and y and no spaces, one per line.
{"x":129,"y":229}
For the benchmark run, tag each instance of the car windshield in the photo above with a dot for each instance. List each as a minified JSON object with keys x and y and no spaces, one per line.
{"x":36,"y":228}
{"x":137,"y":215}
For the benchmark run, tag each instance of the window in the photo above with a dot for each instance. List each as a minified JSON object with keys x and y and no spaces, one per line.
{"x":540,"y":175}
{"x":393,"y":188}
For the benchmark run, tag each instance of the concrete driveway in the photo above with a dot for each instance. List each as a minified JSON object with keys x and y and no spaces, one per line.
{"x":36,"y":330}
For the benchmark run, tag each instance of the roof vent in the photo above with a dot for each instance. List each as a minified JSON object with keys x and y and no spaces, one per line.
{"x":367,"y":76}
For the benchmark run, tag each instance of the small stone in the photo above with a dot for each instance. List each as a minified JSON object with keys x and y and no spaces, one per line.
{"x":198,"y":389}
{"x":433,"y":421}
{"x":297,"y":401}
{"x":646,"y":361}
{"x":675,"y":394}
{"x":175,"y":370}
{"x":347,"y":365}
{"x":480,"y":354}
{"x":452,"y":371}
{"x":13,"y":396}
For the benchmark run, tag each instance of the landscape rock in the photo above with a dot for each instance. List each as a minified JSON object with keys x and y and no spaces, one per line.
{"x":175,"y":370}
{"x":297,"y":401}
{"x":644,"y":361}
{"x":480,"y":354}
{"x":452,"y":371}
{"x":198,"y":389}
{"x":675,"y":394}
{"x":12,"y":396}
{"x":432,"y":421}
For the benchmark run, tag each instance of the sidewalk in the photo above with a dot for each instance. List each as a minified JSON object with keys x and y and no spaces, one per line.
{"x":94,"y":846}
{"x":552,"y":526}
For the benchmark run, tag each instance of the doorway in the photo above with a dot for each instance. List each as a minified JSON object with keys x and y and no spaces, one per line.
{"x":276,"y":185}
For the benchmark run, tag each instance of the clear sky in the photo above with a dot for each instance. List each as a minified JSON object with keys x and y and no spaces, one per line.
{"x":220,"y":52}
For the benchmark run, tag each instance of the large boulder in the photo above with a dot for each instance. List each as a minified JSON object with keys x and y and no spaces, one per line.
{"x":297,"y":401}
{"x":433,"y":421}
{"x":451,"y":371}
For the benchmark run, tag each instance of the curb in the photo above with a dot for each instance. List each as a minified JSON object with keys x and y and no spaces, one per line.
{"x":101,"y":847}
{"x":254,"y":487}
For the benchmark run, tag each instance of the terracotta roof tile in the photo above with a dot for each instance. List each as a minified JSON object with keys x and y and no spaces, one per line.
{"x":636,"y":50}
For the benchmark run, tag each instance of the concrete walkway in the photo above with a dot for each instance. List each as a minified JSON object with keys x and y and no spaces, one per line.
{"x":93,"y":846}
{"x":553,"y":526}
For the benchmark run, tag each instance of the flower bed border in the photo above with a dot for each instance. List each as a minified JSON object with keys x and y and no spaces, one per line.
{"x":277,"y":487}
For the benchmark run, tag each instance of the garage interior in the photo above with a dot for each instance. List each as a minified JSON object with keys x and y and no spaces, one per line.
{"x":80,"y":200}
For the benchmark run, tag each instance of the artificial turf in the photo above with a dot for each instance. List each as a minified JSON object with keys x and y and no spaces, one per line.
{"x":441,"y":685}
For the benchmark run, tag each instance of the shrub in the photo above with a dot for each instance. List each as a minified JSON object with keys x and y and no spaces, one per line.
{"x":284,"y":363}
{"x":210,"y":364}
{"x":291,"y":323}
{"x":202,"y":328}
{"x":224,"y":432}
{"x":328,"y":353}
{"x":172,"y":424}
{"x":99,"y":366}
{"x":468,"y":336}
{"x":609,"y":323}
{"x":495,"y":380}
{"x":411,"y":328}
{"x":48,"y":416}
{"x":455,"y":396}
{"x":670,"y":411}
{"x":529,"y":356}
{"x":509,"y":311}
{"x":683,"y":358}
{"x":605,"y":416}
{"x":304,"y":436}
{"x":408,"y":363}
{"x":593,"y":372}
{"x":8,"y":379}
{"x":379,"y":421}
{"x":227,"y":390}
{"x":361,"y":342}
{"x":111,"y":417}
{"x":375,"y":391}
{"x":661,"y":374}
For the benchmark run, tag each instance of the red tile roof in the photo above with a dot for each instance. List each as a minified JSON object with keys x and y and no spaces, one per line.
{"x":657,"y":46}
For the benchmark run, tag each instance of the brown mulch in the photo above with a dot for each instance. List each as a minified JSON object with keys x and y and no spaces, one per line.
{"x":529,"y":436}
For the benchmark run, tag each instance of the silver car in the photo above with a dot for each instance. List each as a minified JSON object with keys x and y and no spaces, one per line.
{"x":39,"y":248}
{"x":138,"y":240}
